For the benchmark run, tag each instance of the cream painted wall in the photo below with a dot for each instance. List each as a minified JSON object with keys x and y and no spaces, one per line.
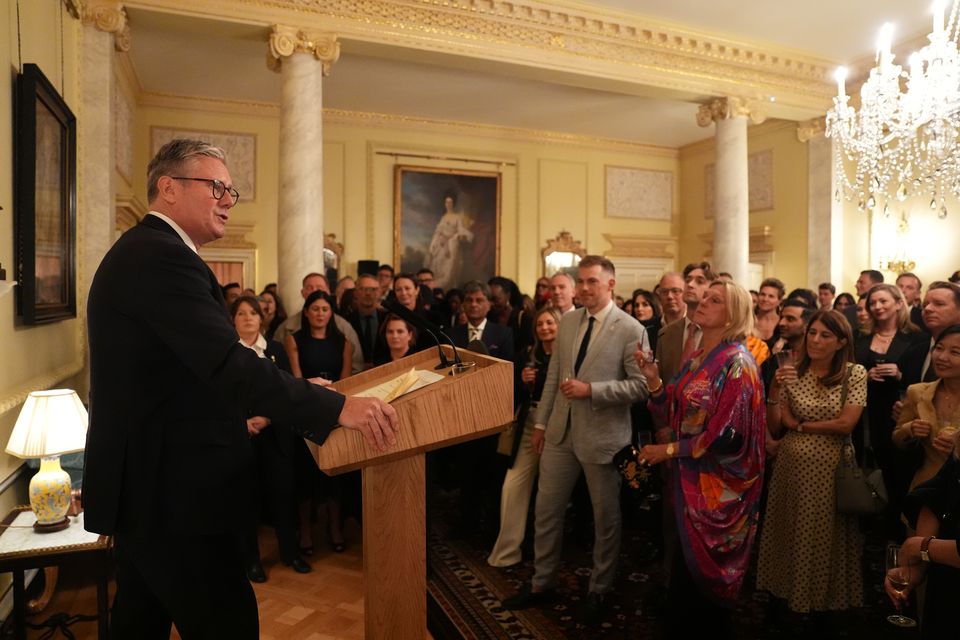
{"x":788,"y":217}
{"x":48,"y":37}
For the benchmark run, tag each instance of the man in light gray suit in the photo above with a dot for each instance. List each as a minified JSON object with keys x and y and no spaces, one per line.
{"x":583,"y":420}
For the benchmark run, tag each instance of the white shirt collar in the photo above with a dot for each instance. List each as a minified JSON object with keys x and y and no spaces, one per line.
{"x":259,"y":347}
{"x":180,"y":232}
{"x":602,"y":314}
{"x":480,"y":327}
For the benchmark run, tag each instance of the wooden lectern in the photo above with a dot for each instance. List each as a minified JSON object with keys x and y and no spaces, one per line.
{"x":458,"y":408}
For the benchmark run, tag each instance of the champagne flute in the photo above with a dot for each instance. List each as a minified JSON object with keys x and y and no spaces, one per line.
{"x":787,"y":366}
{"x":898,"y":572}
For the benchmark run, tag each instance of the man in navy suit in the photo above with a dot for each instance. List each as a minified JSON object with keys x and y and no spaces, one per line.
{"x":479,"y":478}
{"x":168,"y":457}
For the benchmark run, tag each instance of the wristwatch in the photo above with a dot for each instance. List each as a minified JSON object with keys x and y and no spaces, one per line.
{"x":925,"y":548}
{"x":670,"y":449}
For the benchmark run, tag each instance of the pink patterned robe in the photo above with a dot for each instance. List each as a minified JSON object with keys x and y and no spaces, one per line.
{"x":717,"y":413}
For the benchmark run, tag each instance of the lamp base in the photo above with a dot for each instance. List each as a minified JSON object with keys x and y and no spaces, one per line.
{"x":51,"y":527}
{"x":50,"y":495}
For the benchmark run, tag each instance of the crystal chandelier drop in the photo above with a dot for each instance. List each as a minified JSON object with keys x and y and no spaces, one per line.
{"x":903,"y":141}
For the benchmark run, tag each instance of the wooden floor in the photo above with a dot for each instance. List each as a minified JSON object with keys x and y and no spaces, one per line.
{"x":324,"y":604}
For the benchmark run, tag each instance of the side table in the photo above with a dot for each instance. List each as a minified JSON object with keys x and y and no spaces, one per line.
{"x":22,"y":548}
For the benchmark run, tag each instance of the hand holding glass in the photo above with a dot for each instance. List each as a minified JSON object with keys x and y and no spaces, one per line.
{"x":898,"y":573}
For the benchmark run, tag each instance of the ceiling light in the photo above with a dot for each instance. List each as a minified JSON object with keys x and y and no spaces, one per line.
{"x":902,"y":142}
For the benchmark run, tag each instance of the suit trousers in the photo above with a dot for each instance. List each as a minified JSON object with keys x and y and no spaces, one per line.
{"x":559,"y":471}
{"x":195,"y":582}
{"x":515,"y":500}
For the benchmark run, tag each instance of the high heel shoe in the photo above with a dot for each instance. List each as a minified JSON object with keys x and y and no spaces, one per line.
{"x":338,"y":547}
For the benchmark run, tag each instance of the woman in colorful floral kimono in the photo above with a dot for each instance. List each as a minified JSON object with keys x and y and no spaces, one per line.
{"x":715,"y":410}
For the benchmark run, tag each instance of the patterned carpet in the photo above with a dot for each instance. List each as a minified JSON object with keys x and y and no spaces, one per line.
{"x":468,"y":591}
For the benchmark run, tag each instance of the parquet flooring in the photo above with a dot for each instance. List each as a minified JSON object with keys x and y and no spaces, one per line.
{"x":326,"y":604}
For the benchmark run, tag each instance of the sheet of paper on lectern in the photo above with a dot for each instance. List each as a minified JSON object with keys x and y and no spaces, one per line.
{"x":390,"y":390}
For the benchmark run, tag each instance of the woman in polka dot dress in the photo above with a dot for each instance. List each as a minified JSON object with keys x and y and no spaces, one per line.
{"x":809,"y":553}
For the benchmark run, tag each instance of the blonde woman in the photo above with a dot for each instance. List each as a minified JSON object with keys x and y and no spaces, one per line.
{"x":714,"y":407}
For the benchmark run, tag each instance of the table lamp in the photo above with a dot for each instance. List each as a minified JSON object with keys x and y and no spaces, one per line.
{"x":50,"y":424}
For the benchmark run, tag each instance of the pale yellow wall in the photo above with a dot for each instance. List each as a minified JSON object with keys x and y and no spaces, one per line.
{"x":788,"y":217}
{"x":31,"y":354}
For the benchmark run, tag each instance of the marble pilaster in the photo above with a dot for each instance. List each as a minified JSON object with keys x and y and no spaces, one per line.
{"x":731,"y":231}
{"x":824,"y":214}
{"x":302,"y":58}
{"x":105,"y":29}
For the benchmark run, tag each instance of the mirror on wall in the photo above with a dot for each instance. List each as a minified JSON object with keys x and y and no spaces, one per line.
{"x":562,"y":253}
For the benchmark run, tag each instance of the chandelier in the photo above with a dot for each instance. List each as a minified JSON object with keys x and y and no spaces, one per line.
{"x":903,"y":141}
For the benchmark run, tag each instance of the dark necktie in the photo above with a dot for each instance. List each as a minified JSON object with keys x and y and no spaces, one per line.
{"x":582,"y":353}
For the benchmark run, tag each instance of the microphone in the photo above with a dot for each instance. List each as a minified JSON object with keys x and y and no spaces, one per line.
{"x":407,"y":315}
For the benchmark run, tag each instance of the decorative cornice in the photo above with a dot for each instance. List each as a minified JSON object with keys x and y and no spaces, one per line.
{"x":810,"y":129}
{"x":768,"y":127}
{"x":730,"y":107}
{"x":619,"y":48}
{"x":639,"y":246}
{"x":286,"y":41}
{"x":108,"y":16}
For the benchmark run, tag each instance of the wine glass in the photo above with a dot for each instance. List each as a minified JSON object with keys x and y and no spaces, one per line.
{"x":898,"y":572}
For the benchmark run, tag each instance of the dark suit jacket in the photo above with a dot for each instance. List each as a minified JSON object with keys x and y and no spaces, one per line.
{"x":170,"y":384}
{"x":498,"y":338}
{"x":379,"y":346}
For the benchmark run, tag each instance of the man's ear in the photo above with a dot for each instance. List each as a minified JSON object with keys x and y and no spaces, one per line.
{"x":167,"y":189}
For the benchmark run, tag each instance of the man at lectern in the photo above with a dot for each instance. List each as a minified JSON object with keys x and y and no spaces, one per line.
{"x":168,"y":456}
{"x":583,"y":420}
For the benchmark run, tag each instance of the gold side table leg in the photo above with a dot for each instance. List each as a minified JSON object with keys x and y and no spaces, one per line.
{"x":37,"y":605}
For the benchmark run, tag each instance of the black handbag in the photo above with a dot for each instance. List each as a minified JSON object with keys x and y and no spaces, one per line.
{"x":860,"y":491}
{"x":627,"y":462}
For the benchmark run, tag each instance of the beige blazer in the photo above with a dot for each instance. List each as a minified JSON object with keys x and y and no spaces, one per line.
{"x":919,"y":404}
{"x":669,"y":349}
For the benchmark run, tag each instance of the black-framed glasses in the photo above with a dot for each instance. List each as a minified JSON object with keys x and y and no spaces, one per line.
{"x":218,"y":188}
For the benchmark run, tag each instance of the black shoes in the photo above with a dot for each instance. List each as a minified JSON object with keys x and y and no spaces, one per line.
{"x":299,"y":565}
{"x":588,"y":612}
{"x":527,"y":598}
{"x":255,"y":572}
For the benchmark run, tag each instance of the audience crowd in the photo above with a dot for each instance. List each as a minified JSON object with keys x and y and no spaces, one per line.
{"x":741,"y":402}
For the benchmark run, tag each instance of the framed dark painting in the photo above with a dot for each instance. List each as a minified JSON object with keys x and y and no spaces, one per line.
{"x":447,"y":220}
{"x":45,"y":175}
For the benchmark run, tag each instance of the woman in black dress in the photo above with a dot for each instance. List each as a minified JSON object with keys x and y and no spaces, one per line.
{"x":319,"y":351}
{"x":274,"y":450}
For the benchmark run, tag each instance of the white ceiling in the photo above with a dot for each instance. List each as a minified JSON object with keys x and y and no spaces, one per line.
{"x":187,"y":56}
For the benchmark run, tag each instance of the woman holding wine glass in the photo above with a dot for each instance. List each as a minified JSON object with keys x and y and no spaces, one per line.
{"x":816,"y":401}
{"x":527,"y":445}
{"x":933,"y":554}
{"x":715,"y":412}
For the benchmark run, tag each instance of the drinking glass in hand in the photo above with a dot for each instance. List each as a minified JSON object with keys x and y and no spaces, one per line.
{"x":786,"y":366}
{"x":898,"y":572}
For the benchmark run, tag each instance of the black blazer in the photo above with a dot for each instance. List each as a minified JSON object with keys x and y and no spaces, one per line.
{"x":170,"y":385}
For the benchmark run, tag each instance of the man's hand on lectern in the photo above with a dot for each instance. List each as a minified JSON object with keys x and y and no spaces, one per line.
{"x":375,"y":419}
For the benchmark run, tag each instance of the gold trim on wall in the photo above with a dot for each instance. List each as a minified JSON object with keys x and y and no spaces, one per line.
{"x":639,"y":246}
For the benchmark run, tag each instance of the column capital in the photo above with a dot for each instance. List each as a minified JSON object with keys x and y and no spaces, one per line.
{"x":730,"y":107}
{"x":286,"y":41}
{"x":810,"y":129}
{"x":108,"y":16}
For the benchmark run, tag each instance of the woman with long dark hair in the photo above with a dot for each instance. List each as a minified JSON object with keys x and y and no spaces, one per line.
{"x":320,"y":351}
{"x":814,"y":406}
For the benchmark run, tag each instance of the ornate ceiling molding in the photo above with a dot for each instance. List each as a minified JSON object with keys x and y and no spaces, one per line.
{"x":628,"y":50}
{"x":286,"y":41}
{"x":730,"y":107}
